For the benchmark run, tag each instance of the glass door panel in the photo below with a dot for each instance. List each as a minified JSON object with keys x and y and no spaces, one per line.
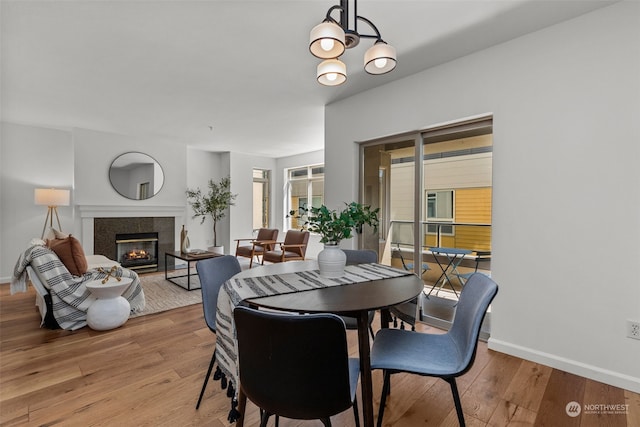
{"x":388,"y":183}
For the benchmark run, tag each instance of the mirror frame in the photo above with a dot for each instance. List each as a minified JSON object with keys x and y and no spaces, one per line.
{"x":123,"y":186}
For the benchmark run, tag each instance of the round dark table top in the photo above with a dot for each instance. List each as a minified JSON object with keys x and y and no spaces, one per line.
{"x":343,"y":299}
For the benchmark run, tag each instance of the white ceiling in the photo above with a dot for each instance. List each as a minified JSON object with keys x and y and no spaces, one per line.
{"x":173,"y":69}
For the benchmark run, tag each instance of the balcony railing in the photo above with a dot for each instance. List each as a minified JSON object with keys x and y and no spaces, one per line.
{"x":472,"y":236}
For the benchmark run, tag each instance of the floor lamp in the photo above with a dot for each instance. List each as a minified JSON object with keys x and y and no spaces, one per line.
{"x":52,"y":198}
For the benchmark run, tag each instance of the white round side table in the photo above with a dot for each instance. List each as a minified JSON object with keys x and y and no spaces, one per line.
{"x":110,"y":309}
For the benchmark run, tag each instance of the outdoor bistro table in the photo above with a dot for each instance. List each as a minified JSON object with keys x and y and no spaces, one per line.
{"x":454,"y":257}
{"x":355,"y":300}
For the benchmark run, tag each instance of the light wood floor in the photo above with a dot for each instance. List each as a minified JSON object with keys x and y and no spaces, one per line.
{"x":149,"y":373}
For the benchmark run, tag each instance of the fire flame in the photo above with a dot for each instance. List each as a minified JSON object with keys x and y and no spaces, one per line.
{"x":137,"y":254}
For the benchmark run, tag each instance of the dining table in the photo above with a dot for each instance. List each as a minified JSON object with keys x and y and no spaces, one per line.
{"x":354,"y":300}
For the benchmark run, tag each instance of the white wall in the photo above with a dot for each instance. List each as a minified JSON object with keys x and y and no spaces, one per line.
{"x":78,"y":160}
{"x":30,"y":157}
{"x":566,"y":207}
{"x":94,"y":152}
{"x":241,"y":218}
{"x":201,"y":166}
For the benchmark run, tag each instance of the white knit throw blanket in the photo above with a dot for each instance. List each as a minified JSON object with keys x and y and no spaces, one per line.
{"x":236,"y":290}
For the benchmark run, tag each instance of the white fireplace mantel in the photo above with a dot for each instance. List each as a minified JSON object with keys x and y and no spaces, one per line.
{"x":89,"y":212}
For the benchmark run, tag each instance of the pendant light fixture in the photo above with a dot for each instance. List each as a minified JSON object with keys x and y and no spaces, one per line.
{"x":329,"y":40}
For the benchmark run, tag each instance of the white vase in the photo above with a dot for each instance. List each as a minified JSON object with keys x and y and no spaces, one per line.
{"x":184,"y":241}
{"x":331,"y":261}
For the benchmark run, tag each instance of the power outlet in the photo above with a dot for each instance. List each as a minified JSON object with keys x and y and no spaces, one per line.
{"x":633,"y":329}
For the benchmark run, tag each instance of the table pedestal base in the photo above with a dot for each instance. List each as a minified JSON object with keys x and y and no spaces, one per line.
{"x":109,"y":313}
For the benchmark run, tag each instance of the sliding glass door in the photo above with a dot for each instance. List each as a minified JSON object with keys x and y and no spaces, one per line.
{"x":434,"y":190}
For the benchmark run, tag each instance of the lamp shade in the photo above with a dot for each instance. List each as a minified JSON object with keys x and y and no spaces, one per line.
{"x":51,"y":197}
{"x":326,"y":40}
{"x":332,"y":72}
{"x":380,"y":58}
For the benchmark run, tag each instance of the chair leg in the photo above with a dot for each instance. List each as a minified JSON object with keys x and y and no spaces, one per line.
{"x":206,"y":379}
{"x":456,"y":400}
{"x":242,"y":405}
{"x":264,"y":418}
{"x":326,"y":422}
{"x":383,"y":399}
{"x":355,"y":412}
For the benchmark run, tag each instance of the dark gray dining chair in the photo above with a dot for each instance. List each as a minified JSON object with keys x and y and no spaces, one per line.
{"x":445,"y":356}
{"x":359,"y":256}
{"x":213,"y":272}
{"x":295,"y":366}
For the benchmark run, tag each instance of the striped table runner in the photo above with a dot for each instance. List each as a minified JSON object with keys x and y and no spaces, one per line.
{"x":236,"y":290}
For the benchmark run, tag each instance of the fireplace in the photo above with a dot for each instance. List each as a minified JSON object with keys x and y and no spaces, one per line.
{"x":104,"y":231}
{"x":137,"y":251}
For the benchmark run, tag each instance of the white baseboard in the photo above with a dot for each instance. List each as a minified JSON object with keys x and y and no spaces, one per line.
{"x":595,"y":373}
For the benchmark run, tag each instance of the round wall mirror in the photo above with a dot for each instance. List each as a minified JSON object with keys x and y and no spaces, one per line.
{"x":136,"y":176}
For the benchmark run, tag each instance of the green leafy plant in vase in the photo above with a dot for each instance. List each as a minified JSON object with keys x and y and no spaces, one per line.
{"x":334,"y":226}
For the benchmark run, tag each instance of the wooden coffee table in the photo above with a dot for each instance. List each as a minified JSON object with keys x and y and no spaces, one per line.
{"x":189,"y":258}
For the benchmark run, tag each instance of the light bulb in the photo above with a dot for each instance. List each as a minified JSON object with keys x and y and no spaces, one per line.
{"x":332,"y":76}
{"x":380,"y":62}
{"x":327,"y":44}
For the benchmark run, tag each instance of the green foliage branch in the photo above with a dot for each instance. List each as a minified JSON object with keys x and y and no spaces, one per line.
{"x":214,"y":204}
{"x":334,"y":226}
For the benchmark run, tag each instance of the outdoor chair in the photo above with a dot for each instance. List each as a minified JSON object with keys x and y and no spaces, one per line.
{"x":445,"y":356}
{"x":481,"y":257}
{"x":213,"y":272}
{"x":264,"y":241}
{"x":295,"y":366}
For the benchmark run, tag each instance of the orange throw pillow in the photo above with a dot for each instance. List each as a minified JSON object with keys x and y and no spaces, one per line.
{"x":71,"y":254}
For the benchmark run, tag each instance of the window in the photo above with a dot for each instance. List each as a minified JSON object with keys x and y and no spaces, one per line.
{"x":261,"y":198}
{"x":440,"y":209}
{"x":305,"y":189}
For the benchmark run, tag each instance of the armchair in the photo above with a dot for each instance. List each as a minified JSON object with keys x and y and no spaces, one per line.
{"x":294,"y":247}
{"x":264,"y":241}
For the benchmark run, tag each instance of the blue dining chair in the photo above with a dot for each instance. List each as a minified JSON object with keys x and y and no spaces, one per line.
{"x":213,"y":272}
{"x":445,"y":356}
{"x":360,"y":256}
{"x":295,"y":366}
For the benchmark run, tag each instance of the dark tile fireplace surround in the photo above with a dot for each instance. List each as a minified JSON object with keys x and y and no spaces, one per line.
{"x":105,"y":230}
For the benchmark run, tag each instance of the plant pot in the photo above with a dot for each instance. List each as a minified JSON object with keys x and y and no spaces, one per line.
{"x":216,"y":249}
{"x":331,"y":261}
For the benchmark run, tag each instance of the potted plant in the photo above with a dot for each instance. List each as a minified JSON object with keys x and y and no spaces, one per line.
{"x":334,"y":226}
{"x":214,"y":204}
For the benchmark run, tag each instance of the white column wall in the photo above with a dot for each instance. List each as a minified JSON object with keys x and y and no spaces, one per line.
{"x":241,"y":218}
{"x":566,"y":204}
{"x":201,"y":167}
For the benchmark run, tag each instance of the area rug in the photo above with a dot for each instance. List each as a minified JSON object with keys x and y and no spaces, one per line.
{"x":162,"y":295}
